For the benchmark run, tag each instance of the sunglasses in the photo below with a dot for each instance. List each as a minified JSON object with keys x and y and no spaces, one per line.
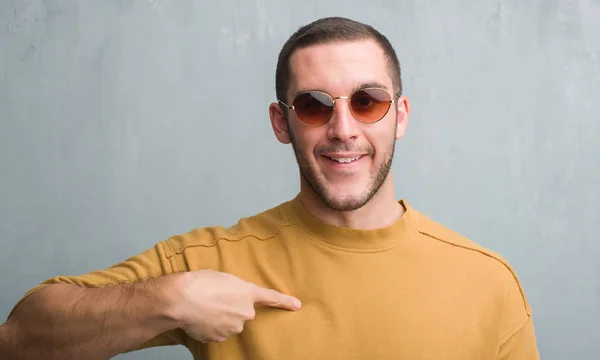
{"x":367,"y":105}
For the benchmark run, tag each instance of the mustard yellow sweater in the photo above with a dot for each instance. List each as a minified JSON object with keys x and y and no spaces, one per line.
{"x":414,"y":290}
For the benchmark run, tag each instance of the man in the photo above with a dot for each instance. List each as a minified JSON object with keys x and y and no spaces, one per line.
{"x":342,"y":271}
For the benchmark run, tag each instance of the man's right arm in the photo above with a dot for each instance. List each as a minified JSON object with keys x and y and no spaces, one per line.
{"x":65,"y":321}
{"x":82,"y":320}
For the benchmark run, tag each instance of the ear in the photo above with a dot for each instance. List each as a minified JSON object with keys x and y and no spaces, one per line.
{"x":403,"y":109}
{"x":279,"y":124}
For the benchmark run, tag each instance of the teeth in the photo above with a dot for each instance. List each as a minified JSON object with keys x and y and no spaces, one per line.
{"x":345,"y":160}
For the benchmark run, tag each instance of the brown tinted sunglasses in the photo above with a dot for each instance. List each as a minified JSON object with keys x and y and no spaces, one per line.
{"x":368,"y":105}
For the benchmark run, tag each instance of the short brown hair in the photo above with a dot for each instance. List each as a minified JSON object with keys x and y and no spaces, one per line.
{"x":331,"y":29}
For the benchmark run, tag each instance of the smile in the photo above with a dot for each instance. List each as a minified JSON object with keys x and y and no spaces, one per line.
{"x":344,"y":160}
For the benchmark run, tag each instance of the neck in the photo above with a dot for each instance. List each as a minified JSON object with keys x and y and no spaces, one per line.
{"x":379,"y":212}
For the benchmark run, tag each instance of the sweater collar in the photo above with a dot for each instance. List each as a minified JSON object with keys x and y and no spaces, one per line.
{"x":353,"y":239}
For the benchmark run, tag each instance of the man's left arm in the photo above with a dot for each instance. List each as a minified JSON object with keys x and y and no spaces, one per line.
{"x":518,"y":340}
{"x":522,"y":345}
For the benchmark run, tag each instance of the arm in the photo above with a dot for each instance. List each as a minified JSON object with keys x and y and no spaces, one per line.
{"x":68,"y":321}
{"x":518,"y":341}
{"x":142,"y":302}
{"x":521,"y":345}
{"x":97,"y":314}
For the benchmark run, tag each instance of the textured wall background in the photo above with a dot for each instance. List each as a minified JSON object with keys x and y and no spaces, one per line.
{"x":124,"y":122}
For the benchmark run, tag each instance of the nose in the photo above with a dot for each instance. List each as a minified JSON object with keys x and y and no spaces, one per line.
{"x":342,"y":125}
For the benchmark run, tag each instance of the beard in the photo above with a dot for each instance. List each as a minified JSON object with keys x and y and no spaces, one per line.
{"x":317,"y":182}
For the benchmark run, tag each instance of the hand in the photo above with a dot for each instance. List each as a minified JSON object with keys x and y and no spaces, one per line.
{"x":215,"y":305}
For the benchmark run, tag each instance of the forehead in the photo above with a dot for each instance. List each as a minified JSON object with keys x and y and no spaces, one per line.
{"x":339,"y":68}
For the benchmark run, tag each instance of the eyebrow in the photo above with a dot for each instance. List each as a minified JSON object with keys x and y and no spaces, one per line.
{"x":373,"y":84}
{"x":359,"y":86}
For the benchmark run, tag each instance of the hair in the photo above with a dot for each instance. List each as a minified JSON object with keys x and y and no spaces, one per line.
{"x":328,"y":30}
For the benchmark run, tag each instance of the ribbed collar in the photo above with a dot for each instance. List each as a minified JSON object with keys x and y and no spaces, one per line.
{"x":351,"y":239}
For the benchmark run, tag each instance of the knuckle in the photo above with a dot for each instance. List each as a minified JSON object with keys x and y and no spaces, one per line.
{"x":248,"y":314}
{"x":220,"y":337}
{"x":274,"y":296}
{"x":208,"y":339}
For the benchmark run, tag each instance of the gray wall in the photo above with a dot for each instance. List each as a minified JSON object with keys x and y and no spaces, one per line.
{"x":122,"y":123}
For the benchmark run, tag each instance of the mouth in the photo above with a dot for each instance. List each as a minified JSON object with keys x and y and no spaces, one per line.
{"x":343,"y":160}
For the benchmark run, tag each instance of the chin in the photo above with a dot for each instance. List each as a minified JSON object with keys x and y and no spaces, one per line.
{"x":345,"y":200}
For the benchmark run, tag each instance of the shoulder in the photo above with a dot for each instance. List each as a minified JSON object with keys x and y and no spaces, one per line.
{"x":450,"y":239}
{"x":463,"y":254}
{"x":262,"y":226}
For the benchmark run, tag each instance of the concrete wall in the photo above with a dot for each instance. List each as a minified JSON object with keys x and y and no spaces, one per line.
{"x":123,"y":122}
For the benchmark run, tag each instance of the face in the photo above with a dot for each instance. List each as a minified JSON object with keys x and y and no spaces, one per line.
{"x":343,"y":162}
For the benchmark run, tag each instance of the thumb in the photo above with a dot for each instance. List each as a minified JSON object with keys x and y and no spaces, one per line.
{"x":274,"y":298}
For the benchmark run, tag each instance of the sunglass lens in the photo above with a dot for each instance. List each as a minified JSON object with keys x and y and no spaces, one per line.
{"x":313,"y":108}
{"x":370,"y":105}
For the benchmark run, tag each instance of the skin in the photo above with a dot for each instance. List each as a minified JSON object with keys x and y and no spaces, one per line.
{"x":361,"y":194}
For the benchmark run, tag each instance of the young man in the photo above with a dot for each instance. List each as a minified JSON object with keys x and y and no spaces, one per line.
{"x":342,"y":271}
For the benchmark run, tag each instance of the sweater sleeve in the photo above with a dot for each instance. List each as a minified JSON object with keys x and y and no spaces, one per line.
{"x":521,"y":345}
{"x":518,"y":340}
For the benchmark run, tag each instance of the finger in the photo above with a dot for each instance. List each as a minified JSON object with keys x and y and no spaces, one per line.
{"x":274,"y":298}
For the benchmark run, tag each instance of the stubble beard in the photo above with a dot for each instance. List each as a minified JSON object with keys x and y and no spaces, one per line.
{"x":318,"y":184}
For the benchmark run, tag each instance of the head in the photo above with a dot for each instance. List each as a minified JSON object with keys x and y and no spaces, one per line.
{"x":339,"y":57}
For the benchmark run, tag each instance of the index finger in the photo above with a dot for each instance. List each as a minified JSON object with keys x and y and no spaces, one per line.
{"x":273,"y":298}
